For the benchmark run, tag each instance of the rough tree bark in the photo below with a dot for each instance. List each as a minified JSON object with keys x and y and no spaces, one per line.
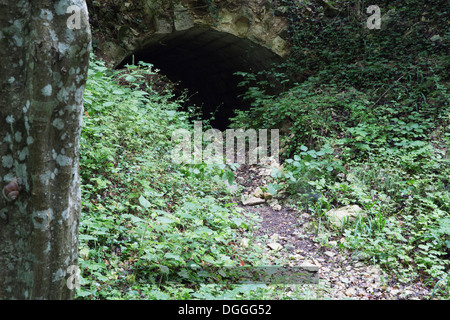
{"x":44,"y":63}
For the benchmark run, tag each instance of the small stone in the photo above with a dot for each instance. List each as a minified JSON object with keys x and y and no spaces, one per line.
{"x":332,"y":243}
{"x":345,"y":280}
{"x":275,"y":236}
{"x":337,"y":217}
{"x":350,"y":292}
{"x":395,"y":292}
{"x":268,"y":196}
{"x":329,"y":253}
{"x":276,"y":207}
{"x":275,"y":246}
{"x":309,"y":227}
{"x":309,"y":266}
{"x":252,"y":201}
{"x":265,"y":172}
{"x":305,"y":215}
{"x":320,"y":259}
{"x":258,"y":193}
{"x":407,"y":293}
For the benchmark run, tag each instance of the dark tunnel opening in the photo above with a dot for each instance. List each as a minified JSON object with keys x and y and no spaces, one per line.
{"x":204,"y":61}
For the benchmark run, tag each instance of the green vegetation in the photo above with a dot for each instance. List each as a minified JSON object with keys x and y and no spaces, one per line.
{"x":368,"y":113}
{"x":145,"y":221}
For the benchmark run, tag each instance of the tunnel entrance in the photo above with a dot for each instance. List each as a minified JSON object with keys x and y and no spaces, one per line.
{"x":204,"y":62}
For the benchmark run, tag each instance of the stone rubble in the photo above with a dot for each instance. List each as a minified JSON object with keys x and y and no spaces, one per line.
{"x":291,"y":236}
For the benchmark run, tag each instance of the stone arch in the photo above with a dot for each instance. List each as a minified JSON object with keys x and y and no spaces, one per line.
{"x":204,"y":52}
{"x":205,"y":61}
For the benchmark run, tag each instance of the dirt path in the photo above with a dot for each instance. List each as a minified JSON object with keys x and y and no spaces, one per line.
{"x":341,"y":274}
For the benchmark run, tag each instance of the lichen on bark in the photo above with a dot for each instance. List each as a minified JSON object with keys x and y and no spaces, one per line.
{"x":39,"y":142}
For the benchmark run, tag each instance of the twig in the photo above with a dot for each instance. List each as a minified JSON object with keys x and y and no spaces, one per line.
{"x":387,"y":90}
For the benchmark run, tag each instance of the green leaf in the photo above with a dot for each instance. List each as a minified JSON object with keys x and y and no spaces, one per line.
{"x":202,"y":230}
{"x":164,"y":220}
{"x":144,"y":202}
{"x":164,"y":269}
{"x":272,"y":188}
{"x":87,"y":237}
{"x":173,"y":256}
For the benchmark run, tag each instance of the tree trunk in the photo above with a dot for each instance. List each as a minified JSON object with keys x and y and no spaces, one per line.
{"x":42,"y":79}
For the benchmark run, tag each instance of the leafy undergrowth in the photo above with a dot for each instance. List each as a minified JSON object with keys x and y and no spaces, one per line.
{"x":145,"y":220}
{"x":368,"y":124}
